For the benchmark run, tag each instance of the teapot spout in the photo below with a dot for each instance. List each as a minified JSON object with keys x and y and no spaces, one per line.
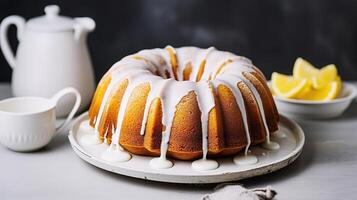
{"x":82,"y":27}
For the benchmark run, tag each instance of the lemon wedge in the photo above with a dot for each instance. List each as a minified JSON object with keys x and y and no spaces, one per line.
{"x":328,"y":92}
{"x":304,"y":92}
{"x":304,"y":69}
{"x":325,"y":75}
{"x":287,"y":86}
{"x":308,"y":82}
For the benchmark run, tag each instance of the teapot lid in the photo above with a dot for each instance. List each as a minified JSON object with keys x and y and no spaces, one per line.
{"x":51,"y":21}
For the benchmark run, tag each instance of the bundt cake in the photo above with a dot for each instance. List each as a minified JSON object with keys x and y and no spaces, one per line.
{"x":183,"y":103}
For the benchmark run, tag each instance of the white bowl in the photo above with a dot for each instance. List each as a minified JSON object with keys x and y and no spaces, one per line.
{"x":304,"y":109}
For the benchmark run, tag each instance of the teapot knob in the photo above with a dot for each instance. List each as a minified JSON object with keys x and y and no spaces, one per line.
{"x":52,"y":10}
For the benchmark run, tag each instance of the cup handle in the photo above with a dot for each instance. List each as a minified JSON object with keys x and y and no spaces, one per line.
{"x":58,"y":96}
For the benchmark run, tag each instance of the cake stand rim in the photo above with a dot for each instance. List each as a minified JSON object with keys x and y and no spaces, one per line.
{"x":189,"y":179}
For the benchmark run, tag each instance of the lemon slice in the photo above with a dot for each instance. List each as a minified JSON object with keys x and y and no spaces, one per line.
{"x":305,"y":91}
{"x":326,"y":75}
{"x":328,"y":92}
{"x":287,"y":86}
{"x":304,"y":69}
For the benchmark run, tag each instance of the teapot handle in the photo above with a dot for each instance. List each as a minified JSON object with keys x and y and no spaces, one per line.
{"x":19,"y":22}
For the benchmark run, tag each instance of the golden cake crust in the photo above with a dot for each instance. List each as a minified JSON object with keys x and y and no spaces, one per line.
{"x":225,"y":133}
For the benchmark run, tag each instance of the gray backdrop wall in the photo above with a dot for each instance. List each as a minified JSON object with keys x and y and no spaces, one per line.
{"x":271,"y":32}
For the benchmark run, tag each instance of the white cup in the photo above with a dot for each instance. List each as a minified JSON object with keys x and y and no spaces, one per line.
{"x":29,"y":123}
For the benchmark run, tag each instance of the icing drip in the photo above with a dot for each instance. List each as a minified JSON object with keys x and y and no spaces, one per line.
{"x":246,"y":159}
{"x":166,"y":55}
{"x":168,"y":103}
{"x":217,"y":59}
{"x":268,"y":144}
{"x":143,"y":67}
{"x":281,"y":133}
{"x":89,"y":138}
{"x":199,"y":58}
{"x":271,"y":145}
{"x":155,"y":92}
{"x":115,"y":154}
{"x":184,"y":57}
{"x":117,"y":76}
{"x":154,"y":56}
{"x":239,"y":73}
{"x":206,"y":102}
{"x":204,"y":164}
{"x":160,"y":163}
{"x":232,"y":85}
{"x":84,"y":126}
{"x":134,"y":79}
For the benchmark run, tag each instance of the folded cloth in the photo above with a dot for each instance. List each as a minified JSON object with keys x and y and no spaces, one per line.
{"x":237,"y":192}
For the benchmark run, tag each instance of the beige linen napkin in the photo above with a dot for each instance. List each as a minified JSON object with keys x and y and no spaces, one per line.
{"x":238,"y":192}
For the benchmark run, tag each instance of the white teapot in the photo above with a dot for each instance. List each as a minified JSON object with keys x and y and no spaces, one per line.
{"x":52,"y":54}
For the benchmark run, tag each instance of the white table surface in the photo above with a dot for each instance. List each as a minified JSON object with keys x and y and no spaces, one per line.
{"x":327,"y":169}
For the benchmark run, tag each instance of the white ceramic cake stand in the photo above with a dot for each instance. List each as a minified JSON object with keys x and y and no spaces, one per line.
{"x":290,"y":148}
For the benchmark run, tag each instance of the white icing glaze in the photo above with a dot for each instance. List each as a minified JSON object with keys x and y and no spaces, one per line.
{"x":141,"y":68}
{"x":166,"y":55}
{"x":154,"y":57}
{"x":205,"y":101}
{"x":185,"y":56}
{"x":232,"y":85}
{"x":261,"y":110}
{"x":271,"y":145}
{"x":135,"y":78}
{"x":245,"y":159}
{"x":113,"y":154}
{"x":239,"y":73}
{"x":217,"y":58}
{"x":84,"y":126}
{"x":156,"y":92}
{"x":204,"y":164}
{"x":200,"y":57}
{"x":160,"y":163}
{"x":88,"y":138}
{"x":281,"y":133}
{"x":169,"y":103}
{"x":117,"y":76}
